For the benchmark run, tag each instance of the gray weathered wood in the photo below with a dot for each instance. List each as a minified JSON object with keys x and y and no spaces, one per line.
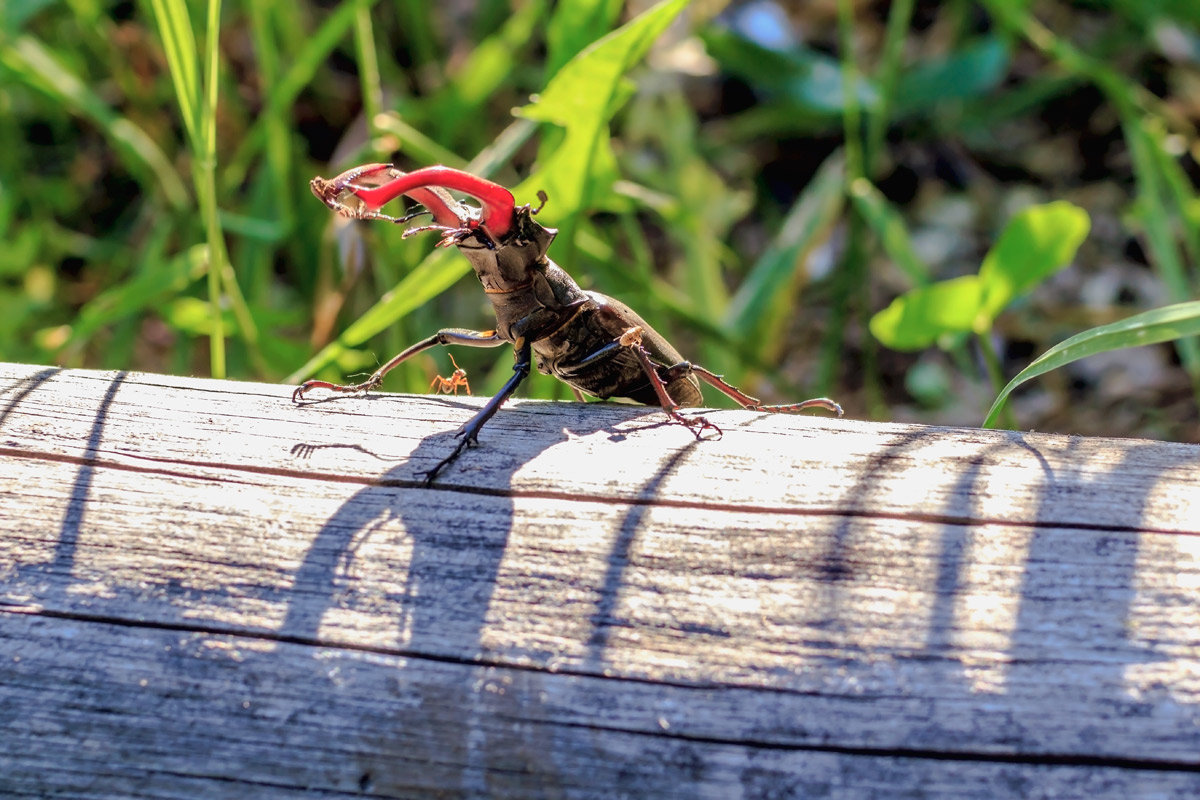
{"x":207,"y":591}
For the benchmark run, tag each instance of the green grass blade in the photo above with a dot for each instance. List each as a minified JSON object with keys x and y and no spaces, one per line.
{"x":277,"y":130}
{"x":179,"y":45}
{"x":761,"y":304}
{"x":304,"y":66}
{"x":206,"y":194}
{"x":1152,"y":213}
{"x":887,"y":75}
{"x":1151,"y":327}
{"x":888,"y":224}
{"x":368,"y":63}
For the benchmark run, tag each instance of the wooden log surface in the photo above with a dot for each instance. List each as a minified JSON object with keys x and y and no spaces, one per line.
{"x":207,"y":591}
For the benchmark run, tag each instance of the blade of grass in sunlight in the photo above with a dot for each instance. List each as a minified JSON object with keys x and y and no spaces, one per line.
{"x":759,"y":309}
{"x":202,"y":111}
{"x":1151,"y":327}
{"x":179,"y":46}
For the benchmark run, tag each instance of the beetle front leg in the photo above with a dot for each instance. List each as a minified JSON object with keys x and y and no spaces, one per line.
{"x":468,"y":434}
{"x":445,"y":336}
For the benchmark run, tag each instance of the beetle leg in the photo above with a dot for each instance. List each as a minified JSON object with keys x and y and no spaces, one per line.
{"x":632,"y":338}
{"x":753,"y":403}
{"x":468,"y":434}
{"x":446,"y":336}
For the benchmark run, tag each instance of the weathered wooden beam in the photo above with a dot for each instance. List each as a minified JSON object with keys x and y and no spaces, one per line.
{"x":208,"y":591}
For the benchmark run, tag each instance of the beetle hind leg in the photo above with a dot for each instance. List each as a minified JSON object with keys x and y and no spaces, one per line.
{"x":632,"y":339}
{"x":754,"y":404}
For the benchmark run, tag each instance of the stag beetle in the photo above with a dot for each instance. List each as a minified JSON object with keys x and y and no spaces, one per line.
{"x":595,"y":344}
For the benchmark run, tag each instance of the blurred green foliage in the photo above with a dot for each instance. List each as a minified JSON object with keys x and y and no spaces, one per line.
{"x":757,"y":179}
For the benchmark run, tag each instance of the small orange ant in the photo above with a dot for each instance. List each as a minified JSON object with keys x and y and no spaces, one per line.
{"x":451,"y":384}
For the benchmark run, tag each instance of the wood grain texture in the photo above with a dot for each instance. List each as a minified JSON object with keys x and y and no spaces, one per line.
{"x":208,"y":591}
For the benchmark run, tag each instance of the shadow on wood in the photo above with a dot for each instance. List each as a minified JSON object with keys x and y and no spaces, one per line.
{"x":208,"y":591}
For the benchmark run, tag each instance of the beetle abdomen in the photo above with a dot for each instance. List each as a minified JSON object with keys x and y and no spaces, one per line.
{"x":591,"y":359}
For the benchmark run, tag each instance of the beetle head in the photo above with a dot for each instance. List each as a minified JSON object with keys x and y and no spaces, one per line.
{"x":502,"y":241}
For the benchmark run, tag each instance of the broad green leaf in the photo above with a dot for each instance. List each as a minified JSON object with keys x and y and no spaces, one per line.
{"x":1035,"y":244}
{"x":581,"y":98}
{"x":1150,"y":327}
{"x":918,"y":318}
{"x":972,"y":71}
{"x":574,"y":26}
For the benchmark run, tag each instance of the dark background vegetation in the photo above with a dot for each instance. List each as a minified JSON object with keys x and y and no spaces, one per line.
{"x":735,"y":225}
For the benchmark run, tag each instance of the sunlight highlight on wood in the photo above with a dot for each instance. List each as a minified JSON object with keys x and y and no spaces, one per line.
{"x":207,"y":590}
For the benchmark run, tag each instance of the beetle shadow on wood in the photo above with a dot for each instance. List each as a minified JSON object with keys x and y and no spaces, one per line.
{"x":471,"y":732}
{"x":604,"y":618}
